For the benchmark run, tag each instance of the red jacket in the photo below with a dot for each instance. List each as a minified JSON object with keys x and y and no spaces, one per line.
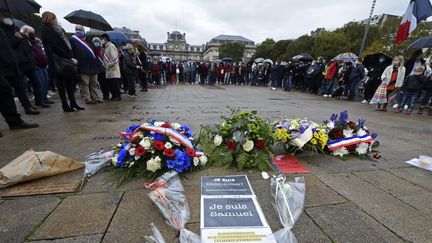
{"x":331,"y":71}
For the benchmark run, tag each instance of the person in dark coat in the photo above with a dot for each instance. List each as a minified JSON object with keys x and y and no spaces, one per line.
{"x":130,"y":68}
{"x":87,"y":65}
{"x":410,"y":89}
{"x":357,"y":75}
{"x":203,"y":72}
{"x":103,"y":83}
{"x":14,"y":77}
{"x":317,"y":76}
{"x":9,"y":66}
{"x":142,"y":73}
{"x":427,"y":97}
{"x":57,"y":45}
{"x":373,"y":81}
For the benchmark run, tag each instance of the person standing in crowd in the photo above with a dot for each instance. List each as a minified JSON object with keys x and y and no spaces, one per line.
{"x":13,"y":77}
{"x":240,"y":73}
{"x":28,"y":66}
{"x":142,"y":73}
{"x":130,"y":69}
{"x":329,"y":79}
{"x":212,"y":73}
{"x":220,"y":73}
{"x":357,"y":75}
{"x":410,"y":89}
{"x":392,"y":79}
{"x":373,"y":81}
{"x":156,"y":72}
{"x":41,"y":71}
{"x":288,"y":76}
{"x":98,"y":51}
{"x":59,"y":54}
{"x":179,"y":72}
{"x":112,"y":67}
{"x":247,"y":72}
{"x":227,"y":73}
{"x":9,"y":67}
{"x":427,"y":97}
{"x":170,"y":71}
{"x":190,"y":67}
{"x":317,"y":76}
{"x":87,"y":65}
{"x":203,"y":72}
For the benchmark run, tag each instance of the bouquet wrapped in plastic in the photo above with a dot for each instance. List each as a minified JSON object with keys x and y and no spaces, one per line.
{"x":169,"y":196}
{"x":289,"y":203}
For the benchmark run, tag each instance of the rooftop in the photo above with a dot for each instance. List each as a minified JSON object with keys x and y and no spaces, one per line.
{"x":231,"y":38}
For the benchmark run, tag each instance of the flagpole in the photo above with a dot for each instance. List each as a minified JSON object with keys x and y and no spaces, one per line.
{"x":367,"y":28}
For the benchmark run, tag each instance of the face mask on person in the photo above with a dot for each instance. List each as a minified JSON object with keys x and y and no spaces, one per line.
{"x":79,"y":33}
{"x":97,"y":44}
{"x":8,"y":21}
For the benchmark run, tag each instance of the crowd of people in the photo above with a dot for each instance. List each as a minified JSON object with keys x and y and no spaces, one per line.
{"x":49,"y":62}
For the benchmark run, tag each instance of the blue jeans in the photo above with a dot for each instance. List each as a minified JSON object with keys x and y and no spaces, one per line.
{"x":288,"y":82}
{"x":408,"y":98}
{"x":42,"y":75}
{"x":327,"y":87}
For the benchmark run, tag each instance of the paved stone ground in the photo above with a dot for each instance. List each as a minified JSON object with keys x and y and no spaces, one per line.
{"x":346,"y":201}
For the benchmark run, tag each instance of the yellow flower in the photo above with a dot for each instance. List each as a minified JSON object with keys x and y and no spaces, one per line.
{"x":283,"y":135}
{"x":314,"y":141}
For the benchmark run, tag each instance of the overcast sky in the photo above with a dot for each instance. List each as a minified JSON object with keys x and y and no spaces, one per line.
{"x":202,"y":20}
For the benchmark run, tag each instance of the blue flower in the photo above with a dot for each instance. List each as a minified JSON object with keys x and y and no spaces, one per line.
{"x":157,"y":137}
{"x":122,"y":158}
{"x":187,"y":131}
{"x":132,"y":128}
{"x":180,"y":163}
{"x":152,"y":122}
{"x":361,"y":123}
{"x":124,"y":145}
{"x":374,"y":135}
{"x":344,"y":116}
{"x":334,"y":118}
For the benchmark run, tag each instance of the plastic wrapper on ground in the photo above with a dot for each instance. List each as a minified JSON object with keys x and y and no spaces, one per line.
{"x":288,"y":201}
{"x":96,"y":161}
{"x":155,"y":237}
{"x":169,"y":196}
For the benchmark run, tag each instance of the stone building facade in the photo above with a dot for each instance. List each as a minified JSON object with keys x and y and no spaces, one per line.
{"x":211,"y":52}
{"x":176,"y":48}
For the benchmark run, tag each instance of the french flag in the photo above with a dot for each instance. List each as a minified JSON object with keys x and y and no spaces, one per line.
{"x":417,"y":11}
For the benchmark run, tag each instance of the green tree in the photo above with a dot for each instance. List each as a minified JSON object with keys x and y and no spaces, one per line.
{"x":233,"y":50}
{"x":328,"y":44}
{"x":264,"y":49}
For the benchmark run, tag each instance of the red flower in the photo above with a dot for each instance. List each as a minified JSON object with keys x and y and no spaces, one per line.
{"x":231,"y":145}
{"x":166,"y":125}
{"x":337,"y":133}
{"x":191,"y":153}
{"x":135,"y":139}
{"x":351,"y":125}
{"x":260,"y":144}
{"x":140,"y":151}
{"x":158,"y":145}
{"x":377,"y":156}
{"x":352,"y":148}
{"x":169,"y":152}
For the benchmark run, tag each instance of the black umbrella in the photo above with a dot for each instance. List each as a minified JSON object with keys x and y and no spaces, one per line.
{"x":377,"y":59}
{"x":20,"y":7}
{"x":303,"y":57}
{"x":89,"y":19}
{"x":424,"y":42}
{"x":227,"y":59}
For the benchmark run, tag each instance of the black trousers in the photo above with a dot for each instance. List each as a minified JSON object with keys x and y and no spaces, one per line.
{"x":114,"y":87}
{"x":7,"y":104}
{"x":142,"y":76}
{"x":66,"y":84}
{"x":20,"y":91}
{"x":131,"y":83}
{"x":36,"y":85}
{"x":103,"y":85}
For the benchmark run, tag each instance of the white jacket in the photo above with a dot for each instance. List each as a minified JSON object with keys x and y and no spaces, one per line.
{"x":111,"y":61}
{"x":386,"y":75}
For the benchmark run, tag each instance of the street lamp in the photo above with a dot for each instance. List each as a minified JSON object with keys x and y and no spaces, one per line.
{"x":367,"y":28}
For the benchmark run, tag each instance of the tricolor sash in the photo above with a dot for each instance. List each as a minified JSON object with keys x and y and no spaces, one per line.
{"x":345,"y":142}
{"x":84,"y":44}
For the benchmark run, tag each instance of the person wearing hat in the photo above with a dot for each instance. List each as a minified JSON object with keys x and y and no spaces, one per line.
{"x":130,"y":69}
{"x":112,"y":67}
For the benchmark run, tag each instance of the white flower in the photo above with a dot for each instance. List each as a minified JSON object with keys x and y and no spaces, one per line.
{"x":176,"y":126}
{"x":362,"y":148}
{"x":137,"y":157}
{"x":341,"y":152}
{"x":158,"y":124}
{"x":175,"y":142}
{"x":153,"y":165}
{"x":168,"y":145}
{"x":196,"y":161}
{"x":157,"y":159}
{"x":330,"y":125}
{"x":119,"y":145}
{"x":132,"y":151}
{"x":141,"y":134}
{"x":248,"y":146}
{"x":146,"y":143}
{"x":114,"y":160}
{"x":348,"y":133}
{"x":203,"y":159}
{"x":218,"y":140}
{"x":361,"y":132}
{"x":131,"y":164}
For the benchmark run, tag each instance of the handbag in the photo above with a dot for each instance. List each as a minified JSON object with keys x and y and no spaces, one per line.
{"x":64,"y":66}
